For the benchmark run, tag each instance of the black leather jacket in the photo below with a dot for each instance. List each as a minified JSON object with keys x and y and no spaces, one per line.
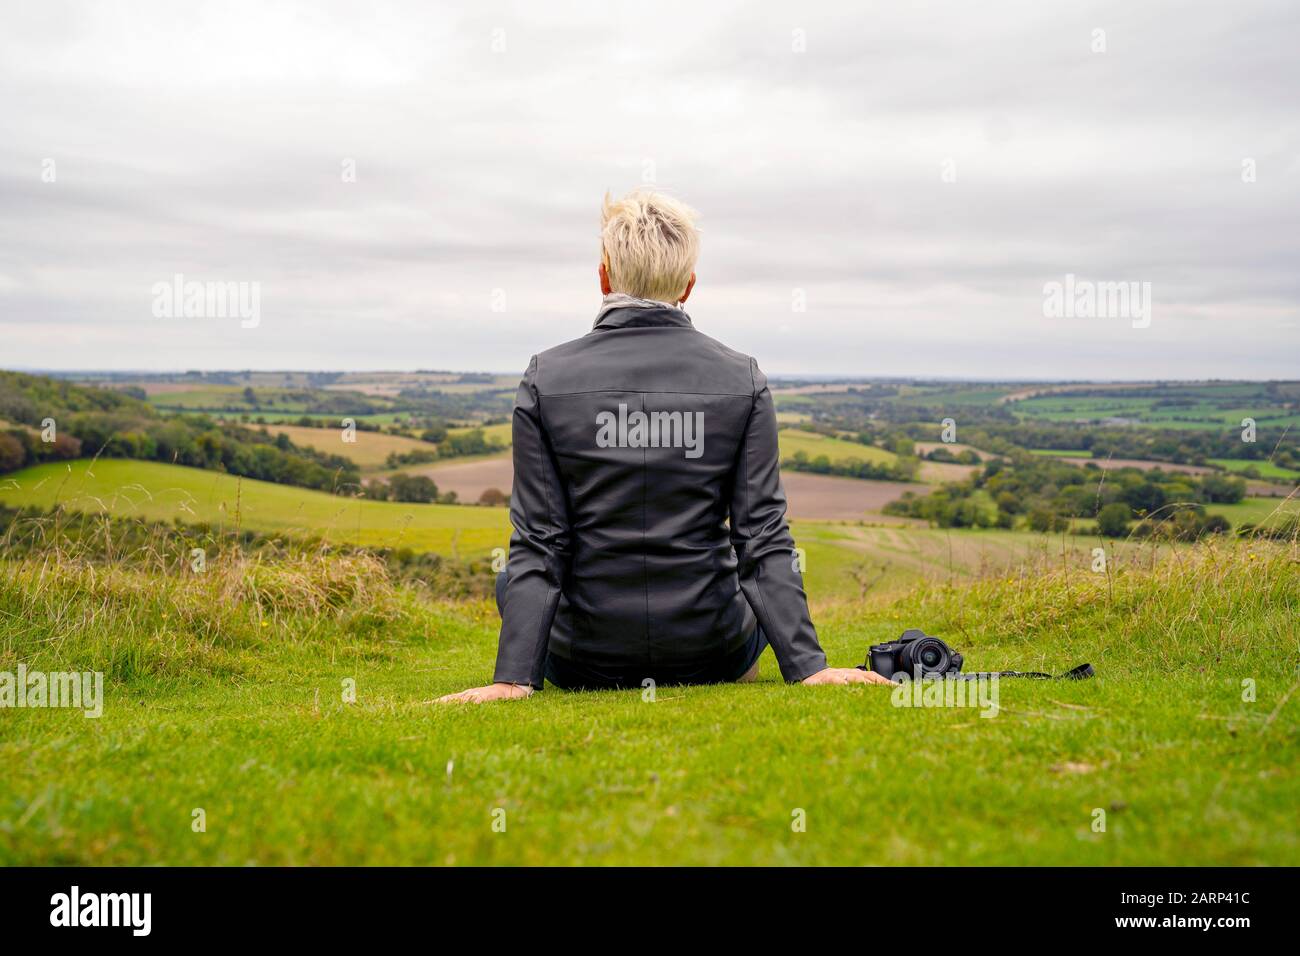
{"x":633,"y":446}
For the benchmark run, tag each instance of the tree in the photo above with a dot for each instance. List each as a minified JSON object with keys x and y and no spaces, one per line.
{"x":412,"y":488}
{"x":376,"y":490}
{"x":1112,"y":520}
{"x":1223,"y":489}
{"x":1147,"y":496}
{"x":1046,"y":520}
{"x":493,"y":497}
{"x":12,"y":453}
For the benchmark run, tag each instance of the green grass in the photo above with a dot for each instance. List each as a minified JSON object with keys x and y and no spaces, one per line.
{"x":850,"y":560}
{"x":1209,"y":408}
{"x":1058,"y":453}
{"x":793,"y":440}
{"x":223,"y":692}
{"x":370,"y":450}
{"x":501,"y":433}
{"x":158,"y":491}
{"x":1266,"y":469}
{"x":947,"y":395}
{"x":841,"y":557}
{"x":271,"y":401}
{"x":1257,"y":510}
{"x":271,"y":417}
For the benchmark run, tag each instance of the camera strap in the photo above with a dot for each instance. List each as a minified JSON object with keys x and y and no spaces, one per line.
{"x":1082,"y":672}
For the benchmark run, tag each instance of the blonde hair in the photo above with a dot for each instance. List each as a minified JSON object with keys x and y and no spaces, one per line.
{"x":649,"y":244}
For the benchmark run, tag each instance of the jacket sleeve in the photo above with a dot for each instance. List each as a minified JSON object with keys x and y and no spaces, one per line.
{"x":540,"y":545}
{"x":764,"y":546}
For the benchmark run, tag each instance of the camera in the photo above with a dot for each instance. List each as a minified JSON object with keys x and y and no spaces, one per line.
{"x":914,"y":654}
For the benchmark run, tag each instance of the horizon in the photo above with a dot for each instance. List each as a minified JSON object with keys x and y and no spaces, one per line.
{"x":825,"y":377}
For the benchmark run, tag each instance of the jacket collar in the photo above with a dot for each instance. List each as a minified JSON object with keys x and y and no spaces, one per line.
{"x":620,"y":311}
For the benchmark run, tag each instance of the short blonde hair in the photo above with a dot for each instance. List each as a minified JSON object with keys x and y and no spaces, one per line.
{"x":649,"y":244}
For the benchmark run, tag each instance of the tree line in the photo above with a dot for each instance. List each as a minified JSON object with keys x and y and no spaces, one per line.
{"x":1044,"y":494}
{"x":50,"y":420}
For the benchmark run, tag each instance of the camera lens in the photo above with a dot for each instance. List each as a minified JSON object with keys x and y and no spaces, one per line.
{"x":928,"y":655}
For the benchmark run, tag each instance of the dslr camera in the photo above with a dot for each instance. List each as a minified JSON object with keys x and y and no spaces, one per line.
{"x":914,"y":654}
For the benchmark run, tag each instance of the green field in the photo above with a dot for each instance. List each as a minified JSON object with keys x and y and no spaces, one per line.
{"x":224,"y":693}
{"x":1207,"y":407}
{"x":157,"y":491}
{"x":370,"y":450}
{"x":272,"y":417}
{"x":846,"y":560}
{"x":841,"y":557}
{"x":1257,"y":510}
{"x":794,"y":440}
{"x":499,"y":434}
{"x":979,"y":396}
{"x":1266,"y":469}
{"x":230,"y":398}
{"x":1058,"y":453}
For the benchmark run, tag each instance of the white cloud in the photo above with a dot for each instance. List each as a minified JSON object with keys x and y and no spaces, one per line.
{"x":209,"y":139}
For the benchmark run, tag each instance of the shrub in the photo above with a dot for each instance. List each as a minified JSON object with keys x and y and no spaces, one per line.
{"x":1112,"y":520}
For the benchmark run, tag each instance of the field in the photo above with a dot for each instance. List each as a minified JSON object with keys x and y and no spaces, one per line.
{"x":809,"y":496}
{"x":1201,"y":407}
{"x":955,"y":448}
{"x":369,"y":451}
{"x":1266,"y":469}
{"x":1145,"y":464}
{"x":841,"y":556}
{"x":794,"y":440}
{"x":270,"y":401}
{"x":227,"y":697}
{"x":470,"y":477}
{"x":270,"y":416}
{"x":499,"y":433}
{"x":978,"y":396}
{"x":848,"y":559}
{"x":168,"y":492}
{"x":828,"y":497}
{"x":1262,"y":511}
{"x":230,"y":690}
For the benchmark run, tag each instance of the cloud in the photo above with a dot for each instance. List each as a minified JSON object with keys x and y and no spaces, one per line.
{"x":816,"y":139}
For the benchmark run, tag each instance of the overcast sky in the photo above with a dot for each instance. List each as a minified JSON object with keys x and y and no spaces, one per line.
{"x":912,"y":174}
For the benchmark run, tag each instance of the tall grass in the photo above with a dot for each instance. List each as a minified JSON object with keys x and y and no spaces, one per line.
{"x":132,"y":598}
{"x":1197,"y":607}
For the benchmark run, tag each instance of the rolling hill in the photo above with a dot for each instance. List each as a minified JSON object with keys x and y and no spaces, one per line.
{"x":164,"y":492}
{"x":795,"y":440}
{"x":842,"y":558}
{"x":370,"y":450}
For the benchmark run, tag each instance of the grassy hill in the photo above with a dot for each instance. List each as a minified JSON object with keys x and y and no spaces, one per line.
{"x":369,"y":451}
{"x":169,"y":492}
{"x":1266,"y":469}
{"x":498,"y":434}
{"x":224,"y":691}
{"x":794,"y":440}
{"x":1257,"y":511}
{"x":842,"y":559}
{"x":1208,"y":406}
